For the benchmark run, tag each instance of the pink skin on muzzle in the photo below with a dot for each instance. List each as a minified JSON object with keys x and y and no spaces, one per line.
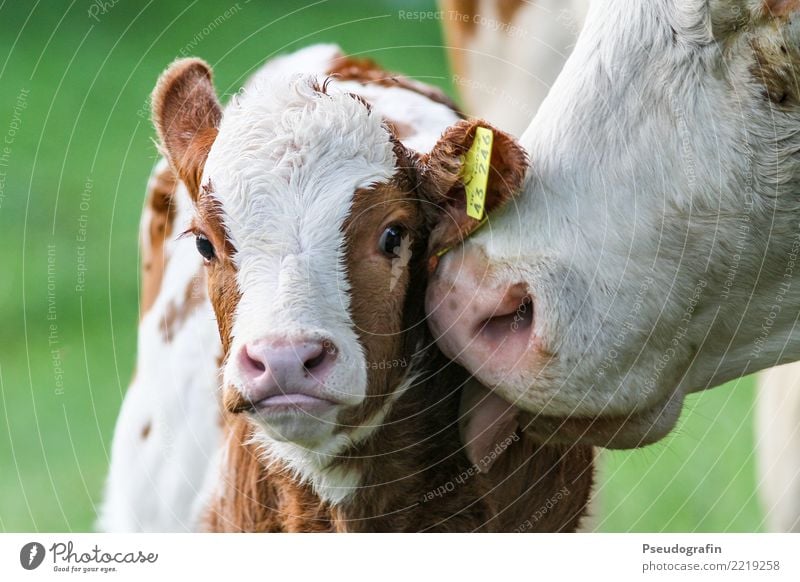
{"x":489,"y":329}
{"x":485,"y":326}
{"x":279,"y":373}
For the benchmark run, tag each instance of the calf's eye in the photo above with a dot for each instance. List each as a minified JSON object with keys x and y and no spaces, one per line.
{"x":392,"y":241}
{"x":204,"y":247}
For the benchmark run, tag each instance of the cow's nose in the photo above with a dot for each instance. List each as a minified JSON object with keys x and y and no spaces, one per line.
{"x":476,"y":321}
{"x":277,"y":369}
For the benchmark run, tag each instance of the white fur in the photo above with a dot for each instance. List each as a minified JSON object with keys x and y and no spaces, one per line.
{"x":285,"y":166}
{"x":154,"y":482}
{"x":427,"y":117}
{"x":333,"y":483}
{"x":639,"y":173}
{"x":314,"y":59}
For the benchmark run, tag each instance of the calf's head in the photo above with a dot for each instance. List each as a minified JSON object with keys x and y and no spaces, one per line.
{"x":318,"y":227}
{"x":653,"y":249}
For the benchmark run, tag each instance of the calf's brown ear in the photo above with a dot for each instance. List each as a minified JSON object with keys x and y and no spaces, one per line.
{"x":186,"y":113}
{"x":443,"y":180}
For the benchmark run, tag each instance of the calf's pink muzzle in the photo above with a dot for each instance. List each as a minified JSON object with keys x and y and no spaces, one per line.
{"x":280,"y":374}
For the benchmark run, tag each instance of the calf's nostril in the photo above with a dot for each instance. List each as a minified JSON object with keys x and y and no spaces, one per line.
{"x":326,"y":352}
{"x":314,"y":361}
{"x":254,"y":363}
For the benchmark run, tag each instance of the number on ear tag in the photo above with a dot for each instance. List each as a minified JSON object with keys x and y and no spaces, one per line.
{"x":475,"y":172}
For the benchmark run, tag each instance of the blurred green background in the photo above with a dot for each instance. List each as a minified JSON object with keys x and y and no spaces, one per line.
{"x":74,"y":80}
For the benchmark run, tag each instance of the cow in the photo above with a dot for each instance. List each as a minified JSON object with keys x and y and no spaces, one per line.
{"x":652,"y":251}
{"x":318,"y":222}
{"x":500,"y":78}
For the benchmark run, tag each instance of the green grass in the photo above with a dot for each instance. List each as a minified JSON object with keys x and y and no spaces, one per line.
{"x":85,"y":119}
{"x":700,"y":478}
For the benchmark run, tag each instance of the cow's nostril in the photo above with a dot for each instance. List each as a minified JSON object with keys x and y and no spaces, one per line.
{"x":508,"y":322}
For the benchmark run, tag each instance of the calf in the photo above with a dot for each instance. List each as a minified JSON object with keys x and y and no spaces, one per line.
{"x":318,"y":221}
{"x":168,"y":435}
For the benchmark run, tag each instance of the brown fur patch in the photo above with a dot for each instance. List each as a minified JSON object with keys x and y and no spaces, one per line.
{"x":417,"y":478}
{"x":223,"y":288}
{"x":461,"y":17}
{"x":459,"y":26}
{"x":548,"y":489}
{"x":176,"y":314}
{"x":258,"y":498}
{"x":208,"y":220}
{"x":776,"y":68}
{"x":161,"y":207}
{"x":380,"y":285}
{"x":400,"y":130}
{"x":186,"y":114}
{"x":781,"y":7}
{"x":507,"y":9}
{"x":368,"y":72}
{"x":225,"y":295}
{"x":458,"y":30}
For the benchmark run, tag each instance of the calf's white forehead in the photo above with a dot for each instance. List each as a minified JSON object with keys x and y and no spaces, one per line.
{"x":287,"y":150}
{"x":285,"y":166}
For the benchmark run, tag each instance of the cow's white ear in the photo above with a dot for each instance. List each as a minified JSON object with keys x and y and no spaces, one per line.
{"x":444,"y":176}
{"x":186,"y":113}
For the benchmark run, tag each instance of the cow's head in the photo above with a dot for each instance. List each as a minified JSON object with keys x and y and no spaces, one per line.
{"x":653,"y":249}
{"x":317,"y":226}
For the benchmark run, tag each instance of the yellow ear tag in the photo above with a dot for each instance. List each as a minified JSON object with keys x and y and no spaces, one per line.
{"x":475,"y":172}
